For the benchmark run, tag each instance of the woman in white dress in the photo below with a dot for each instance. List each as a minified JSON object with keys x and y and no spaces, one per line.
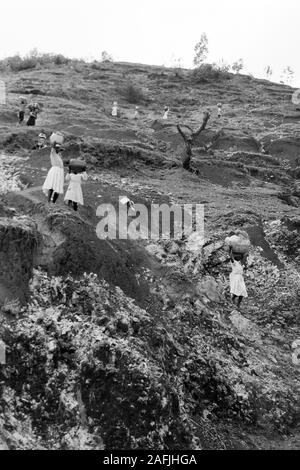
{"x":54,"y":182}
{"x":166,"y":112}
{"x":237,"y":284}
{"x":74,"y":192}
{"x":115,"y":109}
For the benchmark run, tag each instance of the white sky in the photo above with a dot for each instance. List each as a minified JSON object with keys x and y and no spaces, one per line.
{"x":262,"y":32}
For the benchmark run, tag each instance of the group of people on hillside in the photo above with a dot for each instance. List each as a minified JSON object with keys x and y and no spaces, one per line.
{"x":54,"y":186}
{"x":115,"y":111}
{"x":33,"y":110}
{"x":54,"y":183}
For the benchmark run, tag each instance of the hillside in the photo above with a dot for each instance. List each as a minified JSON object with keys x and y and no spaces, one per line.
{"x":125,"y":344}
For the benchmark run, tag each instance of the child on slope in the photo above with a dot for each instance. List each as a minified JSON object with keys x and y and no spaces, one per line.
{"x":74,"y":192}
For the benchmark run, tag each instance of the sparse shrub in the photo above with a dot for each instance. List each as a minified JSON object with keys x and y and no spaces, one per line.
{"x":238,"y":66}
{"x":106,"y":57}
{"x":96,"y":65}
{"x":287,"y":75}
{"x":208,"y":72}
{"x":132,"y":93}
{"x":59,"y":59}
{"x":223,"y":66}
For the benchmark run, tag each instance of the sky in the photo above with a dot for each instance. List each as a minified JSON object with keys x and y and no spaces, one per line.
{"x":158,"y":32}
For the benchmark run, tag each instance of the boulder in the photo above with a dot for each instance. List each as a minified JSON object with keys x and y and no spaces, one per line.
{"x":209,"y":288}
{"x":244,"y":326}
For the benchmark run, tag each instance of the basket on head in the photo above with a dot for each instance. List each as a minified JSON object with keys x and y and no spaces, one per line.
{"x":77,"y":166}
{"x":56,"y":137}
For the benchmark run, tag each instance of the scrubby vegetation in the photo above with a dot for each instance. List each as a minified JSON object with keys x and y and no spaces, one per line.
{"x":209,"y":72}
{"x":132,"y":93}
{"x":32,"y":60}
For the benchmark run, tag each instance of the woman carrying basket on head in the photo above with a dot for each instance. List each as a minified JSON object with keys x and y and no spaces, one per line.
{"x":239,"y":245}
{"x":54,"y":183}
{"x":238,"y":289}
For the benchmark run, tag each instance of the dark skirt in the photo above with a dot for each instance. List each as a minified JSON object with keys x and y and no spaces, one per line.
{"x":31,"y":121}
{"x":21,"y":116}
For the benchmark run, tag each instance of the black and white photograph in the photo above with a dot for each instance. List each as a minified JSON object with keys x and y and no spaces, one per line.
{"x":149,"y":228}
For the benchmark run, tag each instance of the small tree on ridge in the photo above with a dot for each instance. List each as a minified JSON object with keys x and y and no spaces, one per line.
{"x":201,"y":50}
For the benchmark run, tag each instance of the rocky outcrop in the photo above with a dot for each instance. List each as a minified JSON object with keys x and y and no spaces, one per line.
{"x":19,"y":239}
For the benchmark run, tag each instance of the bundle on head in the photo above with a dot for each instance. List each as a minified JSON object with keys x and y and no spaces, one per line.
{"x":77,"y":166}
{"x":242,"y":233}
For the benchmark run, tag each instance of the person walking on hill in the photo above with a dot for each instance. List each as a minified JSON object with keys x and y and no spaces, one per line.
{"x":74,"y":192}
{"x":42,"y":141}
{"x":206,"y":117}
{"x":54,"y":183}
{"x":219,"y":110}
{"x":166,"y":113}
{"x":22,"y":109}
{"x":238,"y":289}
{"x":33,"y":112}
{"x":115,"y":109}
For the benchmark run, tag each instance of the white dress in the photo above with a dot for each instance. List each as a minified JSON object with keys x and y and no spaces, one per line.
{"x":237,"y":283}
{"x":166,"y":113}
{"x":74,"y":191}
{"x":55,"y":177}
{"x":114,"y":111}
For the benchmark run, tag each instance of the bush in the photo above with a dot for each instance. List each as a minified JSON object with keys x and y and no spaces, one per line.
{"x":17,"y":63}
{"x":208,"y":72}
{"x":59,"y":59}
{"x":132,"y":93}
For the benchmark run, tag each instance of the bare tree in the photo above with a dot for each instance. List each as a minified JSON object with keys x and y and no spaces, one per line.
{"x":201,"y":50}
{"x":189,"y":139}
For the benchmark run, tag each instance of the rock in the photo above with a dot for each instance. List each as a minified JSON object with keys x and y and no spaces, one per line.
{"x":12,"y":308}
{"x":172,"y":248}
{"x":3,"y":445}
{"x":211,"y":248}
{"x":209,"y":288}
{"x":18,"y":242}
{"x":244,"y":326}
{"x":122,"y":325}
